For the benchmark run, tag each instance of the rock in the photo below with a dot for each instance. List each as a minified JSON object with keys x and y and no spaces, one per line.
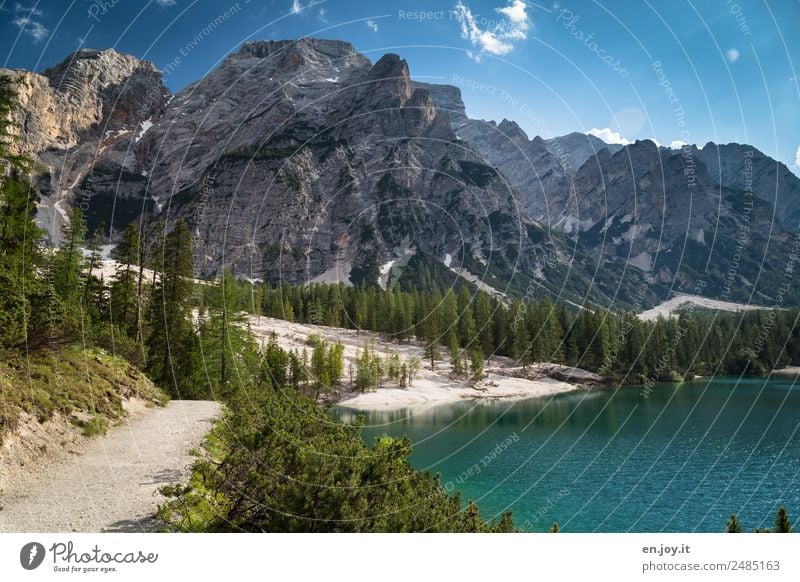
{"x":297,"y":160}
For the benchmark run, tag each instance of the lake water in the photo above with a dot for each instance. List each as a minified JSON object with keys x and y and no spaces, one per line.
{"x":682,"y":458}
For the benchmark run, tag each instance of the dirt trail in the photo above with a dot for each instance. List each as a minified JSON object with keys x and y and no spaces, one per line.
{"x":112,"y":483}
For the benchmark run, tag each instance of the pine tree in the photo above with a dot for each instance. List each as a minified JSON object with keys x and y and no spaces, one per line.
{"x":68,"y":276}
{"x":455,"y":356}
{"x":336,"y":364}
{"x":432,"y":353}
{"x":368,"y":368}
{"x":483,"y":320}
{"x":226,"y":338}
{"x":320,"y":371}
{"x":448,"y":316}
{"x":476,"y":363}
{"x":412,"y":366}
{"x":782,"y":524}
{"x":473,"y":517}
{"x":297,"y":370}
{"x":467,"y":329}
{"x":520,"y":341}
{"x":95,"y":291}
{"x":23,"y":319}
{"x":733,"y":525}
{"x":172,"y":358}
{"x":124,"y":288}
{"x":276,"y":362}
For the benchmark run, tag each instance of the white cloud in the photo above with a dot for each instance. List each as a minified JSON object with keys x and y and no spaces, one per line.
{"x":477,"y":57}
{"x":608,"y":136}
{"x":165,"y":3}
{"x":296,"y":7}
{"x":797,"y":157}
{"x":515,"y":12}
{"x":491,"y":36}
{"x":677,"y":144}
{"x":372,"y":25}
{"x":27,"y":10}
{"x":323,"y":15}
{"x":732,"y":55}
{"x":34,"y":28}
{"x":24,"y":20}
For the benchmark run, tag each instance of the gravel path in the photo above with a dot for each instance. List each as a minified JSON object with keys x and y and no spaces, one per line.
{"x":111,"y":485}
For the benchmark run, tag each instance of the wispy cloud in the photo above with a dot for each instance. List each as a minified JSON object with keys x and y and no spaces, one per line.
{"x":323,"y":16}
{"x":494,"y":36}
{"x":797,"y":157}
{"x":25,"y":18}
{"x":31,"y":11}
{"x":372,"y":25}
{"x":732,"y":55}
{"x":609,"y":136}
{"x":165,"y":3}
{"x":296,"y":6}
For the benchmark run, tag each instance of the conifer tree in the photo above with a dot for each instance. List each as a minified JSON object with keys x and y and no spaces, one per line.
{"x":320,"y":372}
{"x":69,"y":261}
{"x":226,"y":338}
{"x":172,"y":358}
{"x":23,"y":318}
{"x":733,"y":525}
{"x":412,"y":365}
{"x":476,"y":363}
{"x":782,"y":524}
{"x":432,"y":353}
{"x":483,"y":320}
{"x":520,"y":341}
{"x":336,"y":364}
{"x":124,"y":288}
{"x":455,"y":355}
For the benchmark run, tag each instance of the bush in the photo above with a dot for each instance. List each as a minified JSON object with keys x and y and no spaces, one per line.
{"x":278,"y":463}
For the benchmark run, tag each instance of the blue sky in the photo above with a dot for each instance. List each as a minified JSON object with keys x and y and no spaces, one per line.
{"x":690,"y":71}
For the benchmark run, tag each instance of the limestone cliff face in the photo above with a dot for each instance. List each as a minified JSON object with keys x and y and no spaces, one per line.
{"x":73,"y":113}
{"x":721,"y":216}
{"x":304,"y":161}
{"x":295,"y":160}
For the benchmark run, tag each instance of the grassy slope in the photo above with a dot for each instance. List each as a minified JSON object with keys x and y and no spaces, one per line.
{"x":88,"y":386}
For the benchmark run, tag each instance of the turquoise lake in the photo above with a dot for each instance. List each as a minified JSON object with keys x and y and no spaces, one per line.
{"x":680,"y":459}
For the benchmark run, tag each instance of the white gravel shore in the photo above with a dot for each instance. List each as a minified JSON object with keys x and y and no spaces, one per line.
{"x":430,"y":387}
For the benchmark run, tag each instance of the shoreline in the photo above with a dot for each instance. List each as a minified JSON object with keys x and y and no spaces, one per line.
{"x":787,"y":371}
{"x":428,"y":393}
{"x":503,"y":380}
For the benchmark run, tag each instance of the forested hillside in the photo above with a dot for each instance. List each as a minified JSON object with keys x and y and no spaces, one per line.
{"x":300,"y":471}
{"x":615,"y":344}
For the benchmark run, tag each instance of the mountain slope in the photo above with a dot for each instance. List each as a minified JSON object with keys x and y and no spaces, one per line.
{"x":719,"y":221}
{"x":73,"y":114}
{"x":304,"y":161}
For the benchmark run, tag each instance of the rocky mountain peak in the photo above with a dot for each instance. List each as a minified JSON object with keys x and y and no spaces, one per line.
{"x":514,"y":132}
{"x":448,"y":100}
{"x":107,"y":90}
{"x":95,"y":69}
{"x":309,"y":52}
{"x":328,"y":162}
{"x":390,"y":74}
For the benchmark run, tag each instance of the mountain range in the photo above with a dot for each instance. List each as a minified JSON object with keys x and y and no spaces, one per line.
{"x":303,"y":161}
